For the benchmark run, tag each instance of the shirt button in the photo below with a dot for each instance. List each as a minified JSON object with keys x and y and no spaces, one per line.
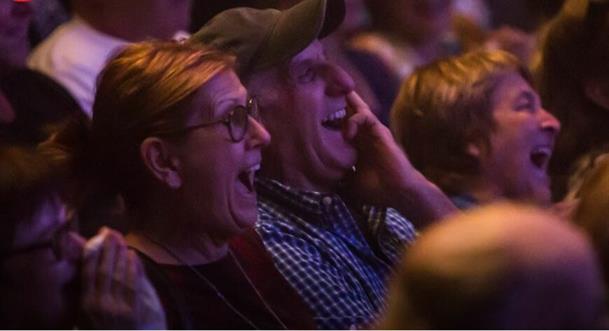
{"x":327,"y":201}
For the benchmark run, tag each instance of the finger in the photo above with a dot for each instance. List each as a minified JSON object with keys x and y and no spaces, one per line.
{"x":91,"y":258}
{"x":356,"y":124}
{"x":74,"y":247}
{"x":119,"y":274}
{"x":109,"y":250}
{"x":134,"y":273}
{"x":357,"y":104}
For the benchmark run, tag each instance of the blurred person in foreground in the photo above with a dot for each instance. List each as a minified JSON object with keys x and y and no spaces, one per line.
{"x":498,"y":267}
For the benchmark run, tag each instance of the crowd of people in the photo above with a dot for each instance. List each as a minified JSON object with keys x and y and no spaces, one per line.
{"x":302,"y":164}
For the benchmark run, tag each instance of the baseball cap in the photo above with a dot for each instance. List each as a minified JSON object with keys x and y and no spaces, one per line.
{"x":261,"y":38}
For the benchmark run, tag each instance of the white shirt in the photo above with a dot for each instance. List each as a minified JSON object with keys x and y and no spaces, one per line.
{"x":74,"y":54}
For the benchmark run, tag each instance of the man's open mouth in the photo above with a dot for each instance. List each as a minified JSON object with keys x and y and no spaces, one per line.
{"x":540,"y":157}
{"x":335,"y":120}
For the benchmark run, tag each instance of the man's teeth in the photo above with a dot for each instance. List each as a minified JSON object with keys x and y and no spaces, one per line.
{"x":335,"y":116}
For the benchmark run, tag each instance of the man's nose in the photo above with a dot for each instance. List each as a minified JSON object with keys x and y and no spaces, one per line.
{"x":338,"y":80}
{"x":549,"y":122}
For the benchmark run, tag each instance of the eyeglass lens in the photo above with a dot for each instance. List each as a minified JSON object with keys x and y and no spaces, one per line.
{"x":238,"y":123}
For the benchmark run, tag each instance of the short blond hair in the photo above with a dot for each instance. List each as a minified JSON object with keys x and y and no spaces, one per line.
{"x":446,"y":105}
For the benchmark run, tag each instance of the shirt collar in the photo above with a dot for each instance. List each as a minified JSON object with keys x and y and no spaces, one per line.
{"x":309,"y":201}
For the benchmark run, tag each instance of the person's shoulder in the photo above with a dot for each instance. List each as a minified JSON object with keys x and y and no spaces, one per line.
{"x":63,"y":36}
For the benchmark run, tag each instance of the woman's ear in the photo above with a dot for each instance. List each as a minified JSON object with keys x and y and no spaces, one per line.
{"x":160,"y":161}
{"x":598,"y":92}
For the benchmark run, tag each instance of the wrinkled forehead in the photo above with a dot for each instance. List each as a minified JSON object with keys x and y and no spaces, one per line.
{"x":511,"y":85}
{"x":276,"y":74}
{"x":214,"y":98}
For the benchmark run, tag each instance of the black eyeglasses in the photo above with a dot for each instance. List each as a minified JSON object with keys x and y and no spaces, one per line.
{"x":237,"y":121}
{"x":57,"y":243}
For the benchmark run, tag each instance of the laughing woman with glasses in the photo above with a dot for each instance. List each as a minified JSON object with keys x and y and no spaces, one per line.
{"x":175,"y":134}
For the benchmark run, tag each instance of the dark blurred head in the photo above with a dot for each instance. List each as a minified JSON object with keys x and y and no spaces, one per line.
{"x":573,"y":78}
{"x":499,"y":267}
{"x":40,"y":106}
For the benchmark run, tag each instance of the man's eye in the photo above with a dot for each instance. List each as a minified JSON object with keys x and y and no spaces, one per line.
{"x":307,"y":76}
{"x":528,"y":106}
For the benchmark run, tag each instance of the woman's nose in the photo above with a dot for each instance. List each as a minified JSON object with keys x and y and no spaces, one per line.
{"x":549,"y":122}
{"x":258,"y":136}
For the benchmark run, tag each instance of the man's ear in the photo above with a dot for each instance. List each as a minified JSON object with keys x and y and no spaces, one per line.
{"x":598,"y":92}
{"x":160,"y":161}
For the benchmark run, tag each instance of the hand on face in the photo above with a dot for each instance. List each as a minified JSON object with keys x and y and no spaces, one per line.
{"x":384,"y":175}
{"x":115,"y":291}
{"x":382,"y":167}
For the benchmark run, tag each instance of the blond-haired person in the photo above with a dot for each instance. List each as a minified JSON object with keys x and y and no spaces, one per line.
{"x":474,"y":125}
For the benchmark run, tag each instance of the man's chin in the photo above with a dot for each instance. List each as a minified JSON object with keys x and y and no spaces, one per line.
{"x":345,"y":157}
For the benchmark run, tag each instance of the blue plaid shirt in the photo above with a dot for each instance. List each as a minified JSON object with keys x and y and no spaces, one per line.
{"x":317,"y":245}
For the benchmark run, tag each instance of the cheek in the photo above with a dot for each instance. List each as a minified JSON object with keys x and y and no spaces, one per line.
{"x":211,"y":175}
{"x":513,"y":135}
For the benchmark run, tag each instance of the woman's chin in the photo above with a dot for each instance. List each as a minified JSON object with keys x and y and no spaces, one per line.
{"x":245,"y":219}
{"x":244,"y":211}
